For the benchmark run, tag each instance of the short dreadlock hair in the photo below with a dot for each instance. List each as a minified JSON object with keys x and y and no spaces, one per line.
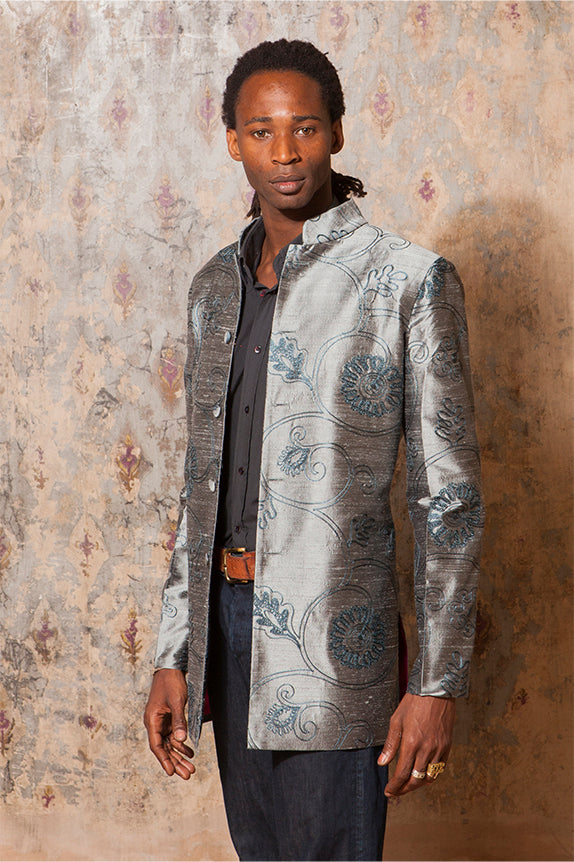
{"x":291,"y":56}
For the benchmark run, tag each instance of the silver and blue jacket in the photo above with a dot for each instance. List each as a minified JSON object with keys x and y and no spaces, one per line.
{"x":369,"y":342}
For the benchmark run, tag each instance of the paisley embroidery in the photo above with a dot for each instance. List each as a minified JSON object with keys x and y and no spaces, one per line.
{"x":454,"y":514}
{"x":294,"y":459}
{"x":280,"y":719}
{"x":271,"y":613}
{"x":370,"y":386}
{"x":356,"y":637}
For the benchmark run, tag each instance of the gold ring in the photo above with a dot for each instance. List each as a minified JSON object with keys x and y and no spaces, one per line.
{"x":416,"y":773}
{"x":435,"y":769}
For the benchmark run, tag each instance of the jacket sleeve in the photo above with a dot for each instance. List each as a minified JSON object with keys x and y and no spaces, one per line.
{"x":173,"y":635}
{"x":443,"y":483}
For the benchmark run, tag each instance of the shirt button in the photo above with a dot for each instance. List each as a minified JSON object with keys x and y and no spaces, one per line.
{"x":227,"y":337}
{"x":211,"y":484}
{"x":238,"y":528}
{"x":216,"y":411}
{"x":262,"y":292}
{"x":247,"y":408}
{"x":241,"y":471}
{"x":257,"y":349}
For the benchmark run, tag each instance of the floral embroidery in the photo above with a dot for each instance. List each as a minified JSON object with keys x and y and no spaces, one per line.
{"x":287,"y":360}
{"x":280,"y":719}
{"x":271,"y":613}
{"x":384,"y":281}
{"x":356,"y":637}
{"x":451,"y":424}
{"x":456,"y":678}
{"x":370,"y":386}
{"x":294,"y":459}
{"x":434,"y":279}
{"x":454,"y":515}
{"x":445,"y":361}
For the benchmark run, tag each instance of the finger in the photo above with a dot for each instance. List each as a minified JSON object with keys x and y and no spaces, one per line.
{"x":178,"y":722}
{"x":403,"y":781}
{"x":390,"y":747}
{"x":157,"y":746}
{"x":430,"y":779}
{"x":182,"y":767}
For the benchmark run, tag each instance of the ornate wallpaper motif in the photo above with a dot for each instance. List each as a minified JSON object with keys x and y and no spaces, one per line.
{"x":115,"y":185}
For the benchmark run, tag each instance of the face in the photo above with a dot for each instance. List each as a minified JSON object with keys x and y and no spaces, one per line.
{"x":285,"y":138}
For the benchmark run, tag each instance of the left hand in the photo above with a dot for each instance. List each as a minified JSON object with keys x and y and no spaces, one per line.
{"x":420,"y":731}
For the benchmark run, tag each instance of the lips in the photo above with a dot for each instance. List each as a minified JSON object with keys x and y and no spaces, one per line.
{"x":287,"y":184}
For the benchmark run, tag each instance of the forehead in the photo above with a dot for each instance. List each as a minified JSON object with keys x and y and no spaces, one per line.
{"x":277,"y":92}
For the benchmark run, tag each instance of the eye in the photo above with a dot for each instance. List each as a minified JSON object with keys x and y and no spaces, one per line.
{"x":305,"y":131}
{"x":260,"y":134}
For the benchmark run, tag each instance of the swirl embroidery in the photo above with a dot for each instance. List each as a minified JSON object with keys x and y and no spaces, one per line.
{"x":371,"y":386}
{"x":445,"y":361}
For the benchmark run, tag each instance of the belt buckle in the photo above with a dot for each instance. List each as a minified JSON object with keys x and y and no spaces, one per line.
{"x":226,"y":552}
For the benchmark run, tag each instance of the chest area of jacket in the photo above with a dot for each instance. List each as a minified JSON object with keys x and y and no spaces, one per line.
{"x":333,"y":320}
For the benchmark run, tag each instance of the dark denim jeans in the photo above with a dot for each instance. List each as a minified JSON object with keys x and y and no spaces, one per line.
{"x":280,"y":804}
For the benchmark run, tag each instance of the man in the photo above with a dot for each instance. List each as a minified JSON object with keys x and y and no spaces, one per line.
{"x":313,"y":343}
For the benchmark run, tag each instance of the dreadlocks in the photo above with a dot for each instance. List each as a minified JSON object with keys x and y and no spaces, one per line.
{"x":295,"y":56}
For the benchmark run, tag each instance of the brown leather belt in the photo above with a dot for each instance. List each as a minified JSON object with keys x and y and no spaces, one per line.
{"x":236,"y":564}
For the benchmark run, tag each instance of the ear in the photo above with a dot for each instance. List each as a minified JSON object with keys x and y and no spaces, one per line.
{"x":232,"y":145}
{"x":338,"y":139}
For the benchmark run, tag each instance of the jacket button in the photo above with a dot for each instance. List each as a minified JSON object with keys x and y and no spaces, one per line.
{"x":211,"y":484}
{"x":216,"y":411}
{"x":227,"y":337}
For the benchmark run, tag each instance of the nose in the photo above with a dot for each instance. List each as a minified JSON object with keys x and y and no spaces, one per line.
{"x":285,"y":150}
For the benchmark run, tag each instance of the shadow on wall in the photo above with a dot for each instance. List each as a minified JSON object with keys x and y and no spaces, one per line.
{"x":515,"y":261}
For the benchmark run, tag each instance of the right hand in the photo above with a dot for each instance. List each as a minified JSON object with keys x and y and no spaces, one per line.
{"x":165,"y":723}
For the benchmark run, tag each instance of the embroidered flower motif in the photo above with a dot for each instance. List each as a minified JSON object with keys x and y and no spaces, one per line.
{"x":454,"y":514}
{"x":271,"y":613}
{"x":280,"y":719}
{"x":357,"y":637}
{"x":371,"y":386}
{"x":294,"y":459}
{"x":287,"y":360}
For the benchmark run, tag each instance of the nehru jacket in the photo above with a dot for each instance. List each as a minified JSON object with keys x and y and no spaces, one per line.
{"x":369,"y":341}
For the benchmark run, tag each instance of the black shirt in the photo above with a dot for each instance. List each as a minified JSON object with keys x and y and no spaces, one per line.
{"x":241,"y":461}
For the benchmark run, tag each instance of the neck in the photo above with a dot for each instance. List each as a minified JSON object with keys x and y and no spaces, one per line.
{"x":282,"y":226}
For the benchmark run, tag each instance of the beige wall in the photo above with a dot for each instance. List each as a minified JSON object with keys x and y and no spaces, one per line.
{"x":114,"y":186}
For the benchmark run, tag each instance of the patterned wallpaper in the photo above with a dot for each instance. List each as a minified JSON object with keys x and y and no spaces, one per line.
{"x":115,"y":185}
